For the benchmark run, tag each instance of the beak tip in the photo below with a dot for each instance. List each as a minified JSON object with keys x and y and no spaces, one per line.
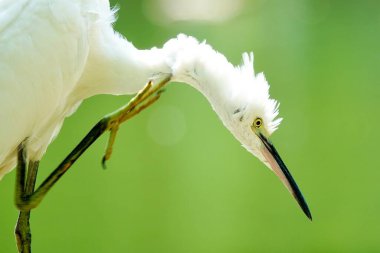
{"x":308,"y":214}
{"x":305,"y":209}
{"x":302,"y":203}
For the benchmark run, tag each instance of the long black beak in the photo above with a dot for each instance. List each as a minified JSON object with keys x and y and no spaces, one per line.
{"x":279,"y":168}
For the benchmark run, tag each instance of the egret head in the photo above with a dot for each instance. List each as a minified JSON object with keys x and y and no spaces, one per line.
{"x":252,"y":118}
{"x":239,"y":97}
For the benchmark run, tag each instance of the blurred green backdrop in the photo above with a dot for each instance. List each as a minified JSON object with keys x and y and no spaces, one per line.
{"x":178,"y":182}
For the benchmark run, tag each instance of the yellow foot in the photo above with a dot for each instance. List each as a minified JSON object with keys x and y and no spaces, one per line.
{"x":144,"y":98}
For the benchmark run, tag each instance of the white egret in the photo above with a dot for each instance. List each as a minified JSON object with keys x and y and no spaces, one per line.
{"x":56,"y":53}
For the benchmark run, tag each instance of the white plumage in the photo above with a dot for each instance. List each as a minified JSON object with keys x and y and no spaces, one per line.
{"x":56,"y":53}
{"x":53,"y":55}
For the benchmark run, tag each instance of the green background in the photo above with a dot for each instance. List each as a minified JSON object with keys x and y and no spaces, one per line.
{"x":178,"y":182}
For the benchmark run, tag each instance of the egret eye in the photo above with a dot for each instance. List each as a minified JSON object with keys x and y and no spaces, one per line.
{"x":258,"y":122}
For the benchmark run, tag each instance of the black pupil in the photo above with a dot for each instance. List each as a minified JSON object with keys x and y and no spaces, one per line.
{"x":258,"y":123}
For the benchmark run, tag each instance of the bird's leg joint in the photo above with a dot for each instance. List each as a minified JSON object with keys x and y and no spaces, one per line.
{"x":25,"y":204}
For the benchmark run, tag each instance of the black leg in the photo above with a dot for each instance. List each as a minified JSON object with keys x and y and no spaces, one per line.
{"x":25,"y":196}
{"x":22,"y":230}
{"x":111,"y":122}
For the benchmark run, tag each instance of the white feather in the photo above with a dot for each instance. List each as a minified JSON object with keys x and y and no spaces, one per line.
{"x":55,"y":53}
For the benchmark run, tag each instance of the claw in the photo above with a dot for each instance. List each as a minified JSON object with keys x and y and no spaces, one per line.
{"x":111,"y":141}
{"x":159,"y":92}
{"x":104,"y":160}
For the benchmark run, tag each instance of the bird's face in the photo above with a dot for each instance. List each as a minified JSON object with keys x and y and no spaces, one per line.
{"x":252,"y":119}
{"x":253,"y":127}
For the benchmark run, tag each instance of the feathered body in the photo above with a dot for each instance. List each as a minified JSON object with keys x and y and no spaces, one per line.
{"x":55,"y":53}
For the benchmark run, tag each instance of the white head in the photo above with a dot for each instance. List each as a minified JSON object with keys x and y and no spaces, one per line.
{"x":239,"y":97}
{"x":251,"y":115}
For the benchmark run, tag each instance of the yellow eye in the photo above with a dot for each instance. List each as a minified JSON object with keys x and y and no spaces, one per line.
{"x":258,"y":122}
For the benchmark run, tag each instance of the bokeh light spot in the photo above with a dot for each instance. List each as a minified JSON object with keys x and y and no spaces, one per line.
{"x":167,"y":125}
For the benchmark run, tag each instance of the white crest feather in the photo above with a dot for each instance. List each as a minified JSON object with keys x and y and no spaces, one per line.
{"x":257,"y":93}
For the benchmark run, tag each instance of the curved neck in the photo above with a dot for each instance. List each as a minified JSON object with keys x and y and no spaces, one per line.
{"x":200,"y":66}
{"x":120,"y":68}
